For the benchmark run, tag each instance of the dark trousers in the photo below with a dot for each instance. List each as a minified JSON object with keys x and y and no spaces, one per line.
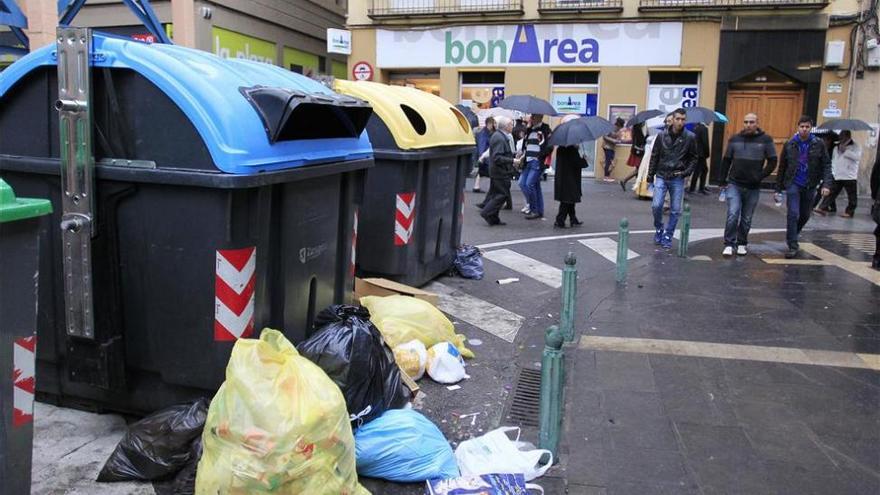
{"x":700,"y":173}
{"x":508,"y":202}
{"x":566,"y":210}
{"x":799,"y":203}
{"x":741,"y":203}
{"x":499,"y":190}
{"x":829,"y":202}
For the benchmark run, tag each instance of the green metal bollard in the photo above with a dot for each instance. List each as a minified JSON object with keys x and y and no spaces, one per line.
{"x":685,"y":232}
{"x":552,"y":383}
{"x":622,"y":248}
{"x":569,"y":296}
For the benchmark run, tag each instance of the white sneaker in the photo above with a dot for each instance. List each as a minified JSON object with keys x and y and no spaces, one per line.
{"x":728,"y":251}
{"x":525,"y":209}
{"x":742,"y":250}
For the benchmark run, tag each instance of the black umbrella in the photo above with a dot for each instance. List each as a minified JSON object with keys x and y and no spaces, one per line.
{"x":469,"y":114}
{"x":701,"y":114}
{"x":846,"y":125}
{"x":528,"y":104}
{"x":643,"y":116}
{"x":579,"y":130}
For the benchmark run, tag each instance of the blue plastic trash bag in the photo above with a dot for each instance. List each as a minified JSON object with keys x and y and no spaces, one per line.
{"x":469,"y":262}
{"x":402,"y":445}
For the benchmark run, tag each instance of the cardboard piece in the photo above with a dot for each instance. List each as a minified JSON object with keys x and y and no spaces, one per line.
{"x":384,"y":287}
{"x":409,"y":382}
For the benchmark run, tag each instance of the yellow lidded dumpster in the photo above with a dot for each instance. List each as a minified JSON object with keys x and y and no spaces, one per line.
{"x":410,"y":224}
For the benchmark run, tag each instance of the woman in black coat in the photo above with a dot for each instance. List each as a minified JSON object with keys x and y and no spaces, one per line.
{"x":567,"y":184}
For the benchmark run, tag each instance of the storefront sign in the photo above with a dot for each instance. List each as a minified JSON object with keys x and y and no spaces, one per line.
{"x":229,"y":44}
{"x":362,"y":71}
{"x":580,"y":103}
{"x":620,"y":44}
{"x":338,"y":41}
{"x":832,"y":111}
{"x":835,"y":88}
{"x":668,"y":97}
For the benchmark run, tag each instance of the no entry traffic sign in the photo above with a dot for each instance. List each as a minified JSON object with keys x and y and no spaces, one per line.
{"x":362,"y":71}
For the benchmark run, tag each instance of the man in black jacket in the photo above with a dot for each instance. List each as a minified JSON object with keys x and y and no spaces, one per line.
{"x":803,"y":165}
{"x":673,"y":158}
{"x":702,"y":169}
{"x":501,"y":170}
{"x":749,"y":159}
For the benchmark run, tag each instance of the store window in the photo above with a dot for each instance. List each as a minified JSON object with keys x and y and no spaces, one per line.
{"x":301,"y":62}
{"x":339,"y":69}
{"x":668,"y":90}
{"x":481,"y":90}
{"x":425,"y":81}
{"x":576,"y":92}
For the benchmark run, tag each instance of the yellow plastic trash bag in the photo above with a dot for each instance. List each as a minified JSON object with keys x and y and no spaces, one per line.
{"x":404,"y":318}
{"x":277,"y":425}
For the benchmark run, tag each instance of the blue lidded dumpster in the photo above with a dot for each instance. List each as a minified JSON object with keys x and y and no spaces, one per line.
{"x":223,"y":198}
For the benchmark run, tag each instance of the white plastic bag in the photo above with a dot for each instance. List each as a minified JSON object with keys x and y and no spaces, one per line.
{"x":412,"y":357}
{"x":445,"y":364}
{"x":495,"y":452}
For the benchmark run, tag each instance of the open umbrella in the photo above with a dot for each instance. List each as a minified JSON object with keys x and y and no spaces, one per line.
{"x":485,"y":113}
{"x":528,"y":104}
{"x":643,"y":116}
{"x":704,"y":115}
{"x":579,"y":130}
{"x":469,"y":114}
{"x":846,"y":125}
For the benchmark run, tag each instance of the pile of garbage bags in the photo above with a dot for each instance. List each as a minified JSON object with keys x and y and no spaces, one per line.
{"x":291,"y":420}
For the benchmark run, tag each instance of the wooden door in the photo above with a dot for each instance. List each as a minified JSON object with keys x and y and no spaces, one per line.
{"x":777,"y":110}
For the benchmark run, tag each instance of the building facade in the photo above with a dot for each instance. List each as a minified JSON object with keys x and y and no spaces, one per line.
{"x":779,"y":58}
{"x":288,"y":33}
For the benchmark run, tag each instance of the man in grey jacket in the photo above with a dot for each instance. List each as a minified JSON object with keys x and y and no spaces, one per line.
{"x":501,"y":170}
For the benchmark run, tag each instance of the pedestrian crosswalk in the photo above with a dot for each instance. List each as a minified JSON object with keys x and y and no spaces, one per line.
{"x":486,"y":316}
{"x":530,"y":267}
{"x":607,"y":248}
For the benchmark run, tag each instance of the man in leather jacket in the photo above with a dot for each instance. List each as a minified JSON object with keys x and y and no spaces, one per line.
{"x":673,"y":158}
{"x":803,"y":165}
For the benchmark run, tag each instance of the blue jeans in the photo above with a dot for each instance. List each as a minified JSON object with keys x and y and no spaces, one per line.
{"x":675,"y":187}
{"x":741,"y":203}
{"x":523,"y":186}
{"x":533,"y":192}
{"x":799,"y":202}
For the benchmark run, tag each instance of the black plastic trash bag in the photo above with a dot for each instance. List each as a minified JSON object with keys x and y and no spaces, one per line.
{"x":157,"y":446}
{"x":469,"y":262}
{"x":350,"y":349}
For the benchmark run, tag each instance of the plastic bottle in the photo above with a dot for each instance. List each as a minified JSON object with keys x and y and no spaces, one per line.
{"x":723,"y":195}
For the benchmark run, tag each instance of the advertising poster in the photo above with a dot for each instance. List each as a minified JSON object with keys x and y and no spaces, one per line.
{"x":624,"y":112}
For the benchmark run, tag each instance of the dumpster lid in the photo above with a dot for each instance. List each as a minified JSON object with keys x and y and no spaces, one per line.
{"x":208,"y":90}
{"x":416,"y":119}
{"x":12,"y":208}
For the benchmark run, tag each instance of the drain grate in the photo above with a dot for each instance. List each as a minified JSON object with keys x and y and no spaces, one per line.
{"x":526,"y":402}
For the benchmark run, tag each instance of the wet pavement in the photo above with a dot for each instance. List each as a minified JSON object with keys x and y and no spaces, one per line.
{"x":734,"y":406}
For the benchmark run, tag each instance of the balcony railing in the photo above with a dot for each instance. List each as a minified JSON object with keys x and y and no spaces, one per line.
{"x":443,"y":8}
{"x":564,"y":6}
{"x":730,"y":4}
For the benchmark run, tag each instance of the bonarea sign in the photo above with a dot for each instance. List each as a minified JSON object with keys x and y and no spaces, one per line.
{"x":610,"y":44}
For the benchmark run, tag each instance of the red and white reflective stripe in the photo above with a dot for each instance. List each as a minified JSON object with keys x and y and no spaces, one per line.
{"x":404,"y":218}
{"x":23,"y":382}
{"x":234,"y":285}
{"x":354,"y":240}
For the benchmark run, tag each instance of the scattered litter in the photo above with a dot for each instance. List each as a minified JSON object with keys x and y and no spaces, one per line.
{"x":350,"y":349}
{"x":402,"y":318}
{"x":487,"y":484}
{"x":495,"y":452}
{"x":445,"y":364}
{"x":254,"y":441}
{"x":453,"y":387}
{"x":157,"y":446}
{"x":505,"y":281}
{"x":593,"y":328}
{"x":402,"y":445}
{"x":475,"y":342}
{"x":469,"y":262}
{"x":549,"y":315}
{"x":537,"y":364}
